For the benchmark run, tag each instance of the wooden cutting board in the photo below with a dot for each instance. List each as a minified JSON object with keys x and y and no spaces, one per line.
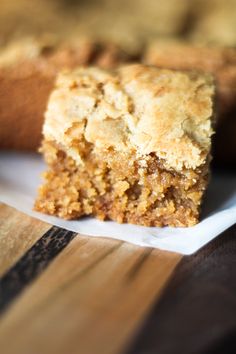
{"x":61,"y":292}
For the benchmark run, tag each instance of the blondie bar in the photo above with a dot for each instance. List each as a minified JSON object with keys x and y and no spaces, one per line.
{"x":131,"y":145}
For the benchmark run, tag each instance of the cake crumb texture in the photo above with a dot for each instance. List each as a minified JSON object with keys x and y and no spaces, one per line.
{"x":119,"y":187}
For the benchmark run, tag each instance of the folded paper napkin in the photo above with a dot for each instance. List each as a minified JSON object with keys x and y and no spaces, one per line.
{"x":20,"y":178}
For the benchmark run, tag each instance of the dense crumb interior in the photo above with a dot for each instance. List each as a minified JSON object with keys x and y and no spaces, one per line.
{"x":119,"y":186}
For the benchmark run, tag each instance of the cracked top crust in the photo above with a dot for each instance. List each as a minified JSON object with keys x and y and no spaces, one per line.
{"x":134,"y":108}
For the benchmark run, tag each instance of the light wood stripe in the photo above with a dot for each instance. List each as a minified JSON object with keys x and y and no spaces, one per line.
{"x":91,"y":299}
{"x":34,"y":261}
{"x":18,"y":233}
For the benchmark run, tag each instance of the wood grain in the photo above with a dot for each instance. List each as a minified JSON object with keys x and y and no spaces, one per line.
{"x":34,"y":261}
{"x":18,"y":232}
{"x":92,"y":298}
{"x":197,"y":312}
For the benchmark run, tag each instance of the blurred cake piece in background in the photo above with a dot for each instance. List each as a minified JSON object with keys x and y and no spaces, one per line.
{"x":181,"y":55}
{"x":215,"y":22}
{"x":130,"y":22}
{"x":126,"y":22}
{"x":19,"y":18}
{"x":27,"y":72}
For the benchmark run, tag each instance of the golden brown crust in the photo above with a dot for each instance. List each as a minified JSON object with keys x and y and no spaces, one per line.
{"x":27,"y":73}
{"x":134,"y":108}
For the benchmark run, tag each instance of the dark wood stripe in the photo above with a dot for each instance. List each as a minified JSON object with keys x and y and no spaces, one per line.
{"x":35,"y":260}
{"x":139,"y":263}
{"x":197,"y":311}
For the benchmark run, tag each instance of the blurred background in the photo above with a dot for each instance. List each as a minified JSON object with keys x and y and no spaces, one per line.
{"x":128,"y":22}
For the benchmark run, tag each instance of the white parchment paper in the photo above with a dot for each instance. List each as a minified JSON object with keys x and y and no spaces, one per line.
{"x":20,"y":178}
